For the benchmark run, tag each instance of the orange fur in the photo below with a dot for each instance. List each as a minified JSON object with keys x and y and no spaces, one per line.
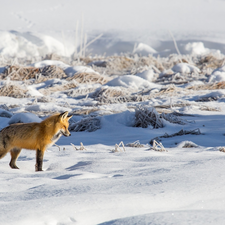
{"x":33,"y":136}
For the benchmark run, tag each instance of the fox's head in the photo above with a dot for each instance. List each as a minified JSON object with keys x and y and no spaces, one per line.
{"x":63,"y":124}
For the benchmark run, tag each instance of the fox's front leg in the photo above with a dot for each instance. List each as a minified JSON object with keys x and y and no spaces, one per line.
{"x":39,"y":159}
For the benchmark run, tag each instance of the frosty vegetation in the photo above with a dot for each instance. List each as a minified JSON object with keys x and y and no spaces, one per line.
{"x":130,"y":79}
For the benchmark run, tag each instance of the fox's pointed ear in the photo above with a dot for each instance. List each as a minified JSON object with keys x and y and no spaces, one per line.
{"x":68,"y":117}
{"x":63,"y":116}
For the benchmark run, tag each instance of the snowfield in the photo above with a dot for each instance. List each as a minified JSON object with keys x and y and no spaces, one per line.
{"x":145,"y":83}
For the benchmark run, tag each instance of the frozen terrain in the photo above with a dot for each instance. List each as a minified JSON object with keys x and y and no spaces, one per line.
{"x":132,"y":74}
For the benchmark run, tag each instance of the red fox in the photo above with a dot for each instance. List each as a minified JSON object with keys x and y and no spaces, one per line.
{"x":33,"y":136}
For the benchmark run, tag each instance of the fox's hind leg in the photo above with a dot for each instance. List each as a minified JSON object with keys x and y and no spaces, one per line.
{"x":2,"y":153}
{"x":14,"y":155}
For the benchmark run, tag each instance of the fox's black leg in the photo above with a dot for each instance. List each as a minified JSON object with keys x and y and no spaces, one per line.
{"x":39,"y":160}
{"x":14,"y":155}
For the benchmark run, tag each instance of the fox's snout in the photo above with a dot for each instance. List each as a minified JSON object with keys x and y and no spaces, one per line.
{"x":66,"y":133}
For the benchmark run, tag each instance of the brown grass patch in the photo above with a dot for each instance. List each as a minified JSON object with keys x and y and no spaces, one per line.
{"x":85,"y":78}
{"x":210,"y":86}
{"x":48,"y":91}
{"x":110,"y":92}
{"x":210,"y":61}
{"x":13,"y":91}
{"x":21,"y":73}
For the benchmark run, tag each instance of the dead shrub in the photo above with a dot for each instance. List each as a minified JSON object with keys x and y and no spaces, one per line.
{"x":179,"y":133}
{"x":145,"y":116}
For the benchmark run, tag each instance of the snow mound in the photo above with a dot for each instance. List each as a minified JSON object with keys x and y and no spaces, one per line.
{"x":70,"y":71}
{"x":198,"y":48}
{"x":24,"y":118}
{"x":33,"y":92}
{"x":185,"y":68}
{"x":50,"y":63}
{"x":173,"y":217}
{"x":144,"y":49}
{"x":50,"y":107}
{"x":131,"y":81}
{"x":214,"y":94}
{"x":218,"y":75}
{"x":21,"y":45}
{"x":148,"y":75}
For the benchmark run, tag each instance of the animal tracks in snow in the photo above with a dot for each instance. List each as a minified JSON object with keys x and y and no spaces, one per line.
{"x":20,"y":16}
{"x":23,"y":15}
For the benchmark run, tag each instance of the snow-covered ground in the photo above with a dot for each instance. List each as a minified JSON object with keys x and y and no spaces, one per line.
{"x":104,"y":184}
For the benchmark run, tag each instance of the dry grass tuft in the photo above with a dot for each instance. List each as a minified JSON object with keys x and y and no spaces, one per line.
{"x":173,"y":118}
{"x":83,"y":111}
{"x":189,"y":144}
{"x":85,"y":78}
{"x":210,"y":86}
{"x":222,"y":149}
{"x":89,"y":124}
{"x":80,"y":91}
{"x":110,"y":92}
{"x":179,"y":133}
{"x":210,"y":61}
{"x":115,"y":95}
{"x":13,"y":91}
{"x":121,"y":99}
{"x":21,"y":73}
{"x":147,"y":116}
{"x":52,"y":71}
{"x":118,"y":147}
{"x":135,"y":144}
{"x":157,"y":146}
{"x":48,"y":91}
